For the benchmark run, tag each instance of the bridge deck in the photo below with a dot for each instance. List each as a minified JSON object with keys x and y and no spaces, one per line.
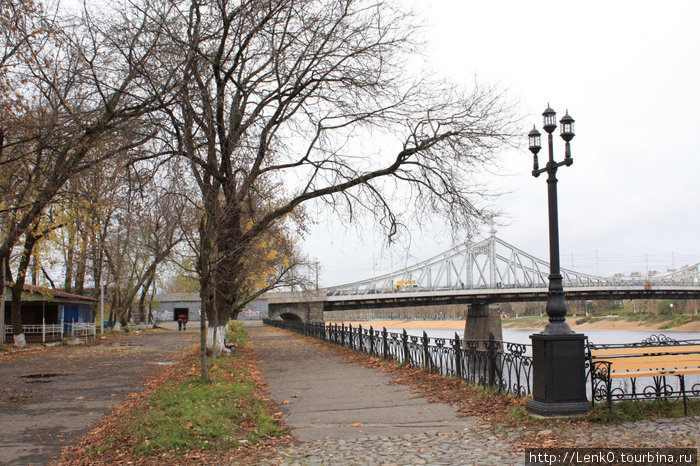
{"x":501,"y":295}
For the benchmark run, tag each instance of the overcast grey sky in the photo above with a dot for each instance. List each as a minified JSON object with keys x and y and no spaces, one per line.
{"x":629,"y":74}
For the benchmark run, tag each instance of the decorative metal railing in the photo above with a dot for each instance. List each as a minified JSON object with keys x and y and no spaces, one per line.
{"x":50,"y":332}
{"x":502,"y":365}
{"x":673,"y":384}
{"x":80,"y":329}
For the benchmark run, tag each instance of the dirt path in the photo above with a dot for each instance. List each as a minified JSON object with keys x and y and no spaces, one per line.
{"x":48,"y":399}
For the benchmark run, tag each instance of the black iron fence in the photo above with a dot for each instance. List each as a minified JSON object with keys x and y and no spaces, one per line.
{"x":501,"y":365}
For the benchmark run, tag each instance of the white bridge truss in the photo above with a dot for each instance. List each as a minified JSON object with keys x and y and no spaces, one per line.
{"x":494,"y":264}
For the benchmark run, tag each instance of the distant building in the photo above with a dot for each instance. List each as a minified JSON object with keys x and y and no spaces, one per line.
{"x":49,"y":315}
{"x":170,"y":306}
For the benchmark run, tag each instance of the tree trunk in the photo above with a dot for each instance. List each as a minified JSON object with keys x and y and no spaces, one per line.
{"x":216,"y":337}
{"x":69,"y":264}
{"x":142,"y":298}
{"x":17,"y":327}
{"x":114,"y":308}
{"x":80,"y":270}
{"x":35,"y":272}
{"x":123,"y":316}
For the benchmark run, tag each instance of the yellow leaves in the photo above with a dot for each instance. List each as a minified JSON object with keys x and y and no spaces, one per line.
{"x":264,"y":257}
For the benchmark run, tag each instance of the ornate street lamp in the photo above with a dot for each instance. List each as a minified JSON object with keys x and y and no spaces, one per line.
{"x":559,"y":380}
{"x":556,"y":307}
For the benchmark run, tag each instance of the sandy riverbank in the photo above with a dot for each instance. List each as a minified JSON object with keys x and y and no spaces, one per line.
{"x":528,"y":324}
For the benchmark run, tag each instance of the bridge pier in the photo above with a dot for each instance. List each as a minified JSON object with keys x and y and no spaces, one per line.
{"x":483,"y":320}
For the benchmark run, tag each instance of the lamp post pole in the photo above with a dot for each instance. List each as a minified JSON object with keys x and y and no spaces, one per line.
{"x":559,"y":381}
{"x":556,"y":306}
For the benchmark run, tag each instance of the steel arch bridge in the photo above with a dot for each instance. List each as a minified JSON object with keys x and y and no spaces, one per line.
{"x":497,"y":268}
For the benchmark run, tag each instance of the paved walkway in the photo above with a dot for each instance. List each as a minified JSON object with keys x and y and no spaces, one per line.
{"x":48,"y":399}
{"x":322,"y":396}
{"x":344,"y":413}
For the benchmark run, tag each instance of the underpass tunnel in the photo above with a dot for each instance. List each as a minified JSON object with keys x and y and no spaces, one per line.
{"x":290,"y":317}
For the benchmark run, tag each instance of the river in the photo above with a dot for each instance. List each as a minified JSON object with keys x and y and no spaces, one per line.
{"x":598,"y":337}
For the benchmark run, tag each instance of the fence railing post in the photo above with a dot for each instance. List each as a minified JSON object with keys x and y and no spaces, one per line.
{"x":406,"y":353}
{"x":371,"y":340}
{"x":385,"y":343}
{"x":491,"y":360}
{"x":427,"y":362}
{"x":458,"y":356}
{"x":360,"y":345}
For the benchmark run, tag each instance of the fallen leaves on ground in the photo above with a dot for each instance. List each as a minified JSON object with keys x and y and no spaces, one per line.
{"x":10,"y":352}
{"x":493,"y":408}
{"x":248,"y":453}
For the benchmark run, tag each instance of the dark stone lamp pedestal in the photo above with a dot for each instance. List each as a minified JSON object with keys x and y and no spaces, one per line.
{"x":559,"y":375}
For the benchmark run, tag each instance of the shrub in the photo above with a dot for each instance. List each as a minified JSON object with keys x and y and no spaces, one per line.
{"x":235,"y":333}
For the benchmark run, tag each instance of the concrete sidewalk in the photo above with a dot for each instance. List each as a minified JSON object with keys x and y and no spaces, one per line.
{"x":323,"y":396}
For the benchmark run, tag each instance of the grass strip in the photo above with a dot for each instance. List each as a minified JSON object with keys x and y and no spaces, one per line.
{"x":183,"y":418}
{"x":190,"y":413}
{"x":637,"y":410}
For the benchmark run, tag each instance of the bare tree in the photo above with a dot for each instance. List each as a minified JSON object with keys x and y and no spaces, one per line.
{"x":276,"y":102}
{"x":74,"y":98}
{"x":149,"y":224}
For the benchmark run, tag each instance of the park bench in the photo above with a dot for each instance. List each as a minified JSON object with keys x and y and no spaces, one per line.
{"x":648,"y":363}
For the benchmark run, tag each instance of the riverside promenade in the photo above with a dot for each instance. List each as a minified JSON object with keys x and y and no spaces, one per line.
{"x":341,"y":412}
